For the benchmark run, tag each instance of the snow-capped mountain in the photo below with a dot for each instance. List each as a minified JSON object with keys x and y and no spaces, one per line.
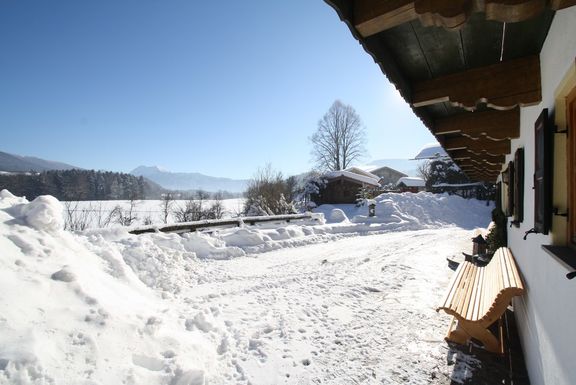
{"x":189,"y":180}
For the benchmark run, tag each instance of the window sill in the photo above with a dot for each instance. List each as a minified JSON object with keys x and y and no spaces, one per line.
{"x":565,"y":255}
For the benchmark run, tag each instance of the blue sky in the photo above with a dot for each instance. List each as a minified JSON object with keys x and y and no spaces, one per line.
{"x":220,"y":88}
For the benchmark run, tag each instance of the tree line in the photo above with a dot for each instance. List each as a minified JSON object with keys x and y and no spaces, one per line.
{"x":79,"y":185}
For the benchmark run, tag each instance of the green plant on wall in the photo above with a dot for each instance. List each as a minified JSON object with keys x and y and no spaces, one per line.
{"x":497,"y":236}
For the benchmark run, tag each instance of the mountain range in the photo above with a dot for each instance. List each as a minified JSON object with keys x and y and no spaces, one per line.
{"x":17,"y":163}
{"x":189,"y":180}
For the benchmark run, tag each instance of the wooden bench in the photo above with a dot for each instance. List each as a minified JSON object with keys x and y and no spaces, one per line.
{"x":478,"y":296}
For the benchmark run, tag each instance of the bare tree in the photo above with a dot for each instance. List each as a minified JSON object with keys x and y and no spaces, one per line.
{"x":166,"y":205}
{"x":126,"y":217}
{"x":339,"y":138}
{"x":103,"y":217}
{"x":77,"y":219}
{"x":265,"y":194}
{"x":423,"y":170}
{"x":217,"y":207}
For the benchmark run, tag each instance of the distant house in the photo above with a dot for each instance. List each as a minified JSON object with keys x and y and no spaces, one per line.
{"x":343,"y":187}
{"x":362,"y":171}
{"x":387,"y":175}
{"x":411,"y":184}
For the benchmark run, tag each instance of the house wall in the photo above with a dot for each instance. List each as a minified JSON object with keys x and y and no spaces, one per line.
{"x":388,"y":175}
{"x":338,"y":191}
{"x":547,"y":313}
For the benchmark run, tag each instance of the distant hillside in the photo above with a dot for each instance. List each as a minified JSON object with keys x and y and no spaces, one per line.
{"x":17,"y":163}
{"x":189,"y":181}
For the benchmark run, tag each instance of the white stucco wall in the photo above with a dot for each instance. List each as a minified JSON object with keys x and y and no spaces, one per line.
{"x":546,"y":315}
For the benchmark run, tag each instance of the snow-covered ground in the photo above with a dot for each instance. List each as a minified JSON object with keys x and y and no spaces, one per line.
{"x":98,"y":212}
{"x":347,"y":301}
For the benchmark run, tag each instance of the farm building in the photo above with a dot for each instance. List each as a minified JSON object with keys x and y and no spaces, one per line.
{"x":411,"y":184}
{"x":343,"y":187}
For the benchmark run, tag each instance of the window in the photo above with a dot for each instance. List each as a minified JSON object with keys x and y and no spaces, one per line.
{"x":571,"y":157}
{"x":543,"y":173}
{"x":508,"y":190}
{"x":518,"y":190}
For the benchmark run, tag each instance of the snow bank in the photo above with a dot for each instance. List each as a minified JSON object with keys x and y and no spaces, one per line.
{"x":72,"y":310}
{"x":106,"y":306}
{"x":43,"y":213}
{"x":408,"y":211}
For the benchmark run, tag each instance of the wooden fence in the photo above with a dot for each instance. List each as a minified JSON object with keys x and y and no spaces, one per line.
{"x":230,"y":222}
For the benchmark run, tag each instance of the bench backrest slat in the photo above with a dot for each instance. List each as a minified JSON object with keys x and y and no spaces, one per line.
{"x":463,"y":300}
{"x":455,"y":282}
{"x":481,"y":296}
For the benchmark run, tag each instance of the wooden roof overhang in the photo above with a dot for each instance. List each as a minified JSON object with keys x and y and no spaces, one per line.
{"x":465,"y":66}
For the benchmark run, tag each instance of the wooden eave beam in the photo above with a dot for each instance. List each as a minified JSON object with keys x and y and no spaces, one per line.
{"x":484,"y":168}
{"x":465,"y":154}
{"x":503,"y":86}
{"x":375,"y":16}
{"x":492,"y":124}
{"x":484,"y":165}
{"x":561,"y":4}
{"x":491,"y":147}
{"x":482,"y":177}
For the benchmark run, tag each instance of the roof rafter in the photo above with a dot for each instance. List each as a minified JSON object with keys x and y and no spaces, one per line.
{"x":503,"y":86}
{"x":374,"y":16}
{"x":466,"y":154}
{"x":491,"y":147}
{"x":491,"y":124}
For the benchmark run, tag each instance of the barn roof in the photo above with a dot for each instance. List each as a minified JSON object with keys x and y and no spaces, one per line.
{"x":360,"y":179}
{"x":411,"y":181}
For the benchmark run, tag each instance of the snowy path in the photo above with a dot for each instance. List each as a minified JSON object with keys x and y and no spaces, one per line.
{"x":329,"y":305}
{"x":358,"y":310}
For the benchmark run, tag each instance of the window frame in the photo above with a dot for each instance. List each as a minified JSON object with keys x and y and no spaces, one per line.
{"x":518,"y":190}
{"x":571,"y":166}
{"x":543,"y":172}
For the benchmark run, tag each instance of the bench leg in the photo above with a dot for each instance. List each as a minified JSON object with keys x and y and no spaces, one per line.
{"x":456,"y":334}
{"x":482,"y":334}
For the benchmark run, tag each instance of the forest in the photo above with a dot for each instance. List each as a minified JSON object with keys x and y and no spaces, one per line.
{"x":80,"y":185}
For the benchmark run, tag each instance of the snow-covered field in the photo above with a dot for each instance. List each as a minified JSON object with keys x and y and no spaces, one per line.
{"x":343,"y":302}
{"x":98,"y":212}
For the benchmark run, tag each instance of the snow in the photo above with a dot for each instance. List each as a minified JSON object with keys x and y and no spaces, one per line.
{"x":144,"y":209}
{"x":361,"y":171}
{"x":431,"y":151}
{"x":346,"y":301}
{"x":351,"y":175}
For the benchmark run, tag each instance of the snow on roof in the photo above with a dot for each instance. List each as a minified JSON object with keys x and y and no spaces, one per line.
{"x":362,"y":171}
{"x":373,"y":167}
{"x":431,"y":151}
{"x":351,"y":175}
{"x":411,"y":181}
